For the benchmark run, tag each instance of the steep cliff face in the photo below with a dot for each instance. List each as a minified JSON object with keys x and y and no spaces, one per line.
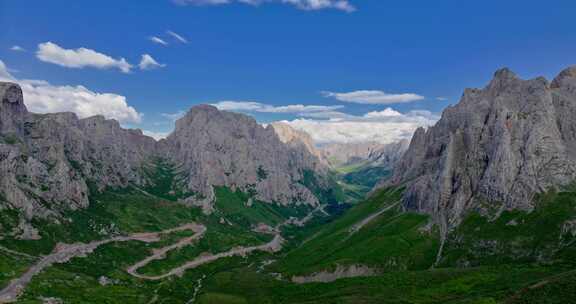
{"x":301,"y":144}
{"x":341,"y":154}
{"x":218,"y":148}
{"x":388,"y":155}
{"x":494,"y":150}
{"x":47,"y":162}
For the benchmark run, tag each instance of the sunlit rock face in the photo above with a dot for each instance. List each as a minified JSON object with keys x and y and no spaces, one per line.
{"x":494,"y":150}
{"x":48,"y":161}
{"x":230,"y":149}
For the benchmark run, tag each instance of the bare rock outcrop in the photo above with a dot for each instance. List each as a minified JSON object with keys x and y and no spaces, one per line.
{"x":341,"y":272}
{"x":302,"y":145}
{"x":494,"y":150}
{"x":345,"y":153}
{"x":388,"y":155}
{"x":219,"y":148}
{"x":373,"y":153}
{"x":48,"y":161}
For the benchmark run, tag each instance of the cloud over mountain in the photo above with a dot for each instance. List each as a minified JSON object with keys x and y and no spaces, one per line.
{"x":328,"y":124}
{"x":43,"y":97}
{"x":386,"y":126}
{"x":251,"y":106}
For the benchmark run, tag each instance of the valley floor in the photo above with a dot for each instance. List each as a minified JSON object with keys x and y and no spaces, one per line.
{"x":221,"y":259}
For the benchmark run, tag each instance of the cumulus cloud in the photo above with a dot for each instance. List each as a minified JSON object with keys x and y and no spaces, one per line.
{"x":17,"y":48}
{"x":43,"y":97}
{"x":79,"y":58}
{"x":373,"y":97}
{"x":177,"y":36}
{"x":309,"y":5}
{"x":156,"y":135}
{"x":327,"y":124}
{"x":386,"y":126}
{"x":148,"y":62}
{"x":251,"y":106}
{"x":157,"y":40}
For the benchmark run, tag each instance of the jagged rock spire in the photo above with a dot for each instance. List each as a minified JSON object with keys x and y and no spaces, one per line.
{"x":12,"y":108}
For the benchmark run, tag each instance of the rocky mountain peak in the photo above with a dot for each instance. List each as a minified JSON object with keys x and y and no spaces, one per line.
{"x":566,"y":79}
{"x":295,"y":138}
{"x":220,"y":148}
{"x":494,"y":150}
{"x":12,"y":107}
{"x":48,"y":160}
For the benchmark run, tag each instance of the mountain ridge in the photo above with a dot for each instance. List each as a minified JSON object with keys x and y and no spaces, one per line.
{"x":494,"y":150}
{"x":53,"y":161}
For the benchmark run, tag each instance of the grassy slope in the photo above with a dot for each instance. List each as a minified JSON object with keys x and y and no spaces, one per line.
{"x":108,"y":213}
{"x":479,"y":285}
{"x":233,"y":207}
{"x":358,"y":179}
{"x":520,"y":258}
{"x":391,"y":241}
{"x":560,"y":288}
{"x":77,"y":280}
{"x":516,"y":236}
{"x":129,"y":211}
{"x":505,"y":253}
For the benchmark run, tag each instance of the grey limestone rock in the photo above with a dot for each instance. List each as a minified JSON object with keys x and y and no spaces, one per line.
{"x":494,"y":150}
{"x":48,"y":161}
{"x":219,"y":148}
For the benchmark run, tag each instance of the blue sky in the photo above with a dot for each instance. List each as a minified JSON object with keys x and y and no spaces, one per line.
{"x":281,"y":54}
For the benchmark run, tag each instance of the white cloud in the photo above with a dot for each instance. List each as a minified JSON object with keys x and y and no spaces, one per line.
{"x":343,"y":5}
{"x":174,"y":116}
{"x":373,"y":97}
{"x":177,"y":36}
{"x":79,"y":58}
{"x":157,"y":40}
{"x":386,"y":126}
{"x":322,"y":4}
{"x":17,"y":48}
{"x":441,"y":98}
{"x":251,"y":106}
{"x":42,"y":97}
{"x":388,"y":112}
{"x":4,"y":73}
{"x":148,"y":62}
{"x":326,"y":124}
{"x":156,"y":135}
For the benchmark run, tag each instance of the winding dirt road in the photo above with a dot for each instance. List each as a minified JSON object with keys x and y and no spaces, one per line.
{"x":62,"y":253}
{"x":274,"y":245}
{"x":370,"y":218}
